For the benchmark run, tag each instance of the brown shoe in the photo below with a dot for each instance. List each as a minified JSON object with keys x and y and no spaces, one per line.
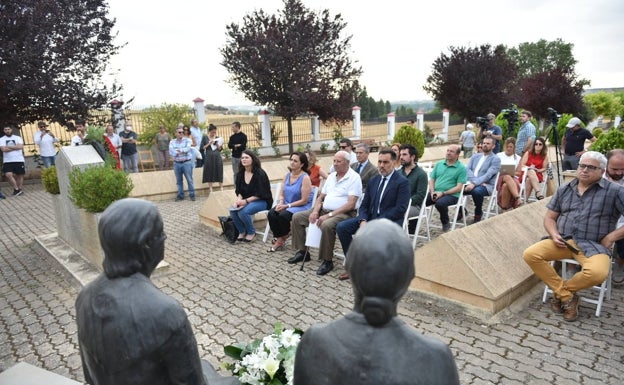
{"x":570,"y":309}
{"x":343,"y":276}
{"x":555,"y":305}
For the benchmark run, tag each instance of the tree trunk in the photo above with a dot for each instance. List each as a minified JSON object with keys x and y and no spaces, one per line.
{"x":290,"y":135}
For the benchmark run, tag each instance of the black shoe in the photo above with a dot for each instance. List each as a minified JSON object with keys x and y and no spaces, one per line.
{"x":193,"y":199}
{"x":178,"y":199}
{"x":299,"y":257}
{"x":325,"y":268}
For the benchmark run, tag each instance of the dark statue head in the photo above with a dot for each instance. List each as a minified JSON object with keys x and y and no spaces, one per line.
{"x":380,"y":263}
{"x":132,"y":237}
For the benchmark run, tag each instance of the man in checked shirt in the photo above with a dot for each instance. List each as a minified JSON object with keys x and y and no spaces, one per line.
{"x":581,"y":224}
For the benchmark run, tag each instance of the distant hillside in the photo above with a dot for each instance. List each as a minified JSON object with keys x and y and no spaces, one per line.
{"x":416,"y":105}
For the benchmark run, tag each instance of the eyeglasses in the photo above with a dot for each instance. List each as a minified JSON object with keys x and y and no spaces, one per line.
{"x":178,"y":132}
{"x":343,"y":147}
{"x":588,"y":167}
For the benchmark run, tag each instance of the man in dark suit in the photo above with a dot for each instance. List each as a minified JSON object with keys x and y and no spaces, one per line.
{"x":387,"y":196}
{"x":363,"y":167}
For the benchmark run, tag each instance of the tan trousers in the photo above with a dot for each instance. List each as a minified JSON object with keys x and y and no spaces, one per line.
{"x":594,"y":272}
{"x":300,"y":222}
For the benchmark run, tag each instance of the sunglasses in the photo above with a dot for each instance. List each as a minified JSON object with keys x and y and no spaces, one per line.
{"x":587,"y":167}
{"x":343,"y":147}
{"x":179,"y":132}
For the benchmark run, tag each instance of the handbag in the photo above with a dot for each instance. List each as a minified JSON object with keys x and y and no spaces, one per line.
{"x":229,"y":229}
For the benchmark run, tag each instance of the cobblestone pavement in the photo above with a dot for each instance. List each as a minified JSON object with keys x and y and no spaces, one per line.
{"x":237,"y":292}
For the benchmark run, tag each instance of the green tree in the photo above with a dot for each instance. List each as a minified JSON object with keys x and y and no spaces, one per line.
{"x":169,"y":115}
{"x":472,"y":81}
{"x":295,"y":62}
{"x":542,"y":56}
{"x":607,"y":104}
{"x":52,"y":57}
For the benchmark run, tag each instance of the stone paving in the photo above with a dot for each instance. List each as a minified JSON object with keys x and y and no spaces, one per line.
{"x":238,"y":292}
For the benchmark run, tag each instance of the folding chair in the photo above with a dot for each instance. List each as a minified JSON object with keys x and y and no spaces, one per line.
{"x":604,"y":289}
{"x":421,"y":217}
{"x":275,"y":187}
{"x":543,"y":185}
{"x":492,"y":204}
{"x":461,"y":203}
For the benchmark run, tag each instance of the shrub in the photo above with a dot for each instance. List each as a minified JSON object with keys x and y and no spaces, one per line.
{"x":607,"y":142}
{"x":97,"y":187}
{"x":597,"y":132}
{"x":324,"y":148}
{"x":411,"y":135}
{"x":49,"y":178}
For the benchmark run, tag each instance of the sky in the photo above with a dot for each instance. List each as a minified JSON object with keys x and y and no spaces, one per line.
{"x":172,"y":48}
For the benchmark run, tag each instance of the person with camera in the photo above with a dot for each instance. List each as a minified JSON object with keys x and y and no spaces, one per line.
{"x":491,"y":130}
{"x":445,"y":183}
{"x":481,"y":174}
{"x":573,"y":143}
{"x":46,"y":140}
{"x":526,"y":134}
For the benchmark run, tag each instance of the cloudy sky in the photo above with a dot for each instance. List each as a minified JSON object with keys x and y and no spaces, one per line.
{"x":172,"y":51}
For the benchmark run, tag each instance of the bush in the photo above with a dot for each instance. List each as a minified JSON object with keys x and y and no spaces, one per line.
{"x":411,"y":135}
{"x":97,"y":187}
{"x":49,"y":178}
{"x":607,"y":142}
{"x":597,"y":132}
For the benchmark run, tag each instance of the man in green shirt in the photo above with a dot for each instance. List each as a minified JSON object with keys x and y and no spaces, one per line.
{"x":417,"y":178}
{"x":445,"y":183}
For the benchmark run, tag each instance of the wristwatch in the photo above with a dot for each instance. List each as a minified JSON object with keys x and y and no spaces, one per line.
{"x":331,"y":214}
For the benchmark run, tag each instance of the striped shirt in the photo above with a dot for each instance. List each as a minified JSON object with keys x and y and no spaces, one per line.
{"x":589,"y":217}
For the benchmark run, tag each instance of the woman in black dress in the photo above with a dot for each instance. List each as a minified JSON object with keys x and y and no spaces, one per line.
{"x":213,"y":163}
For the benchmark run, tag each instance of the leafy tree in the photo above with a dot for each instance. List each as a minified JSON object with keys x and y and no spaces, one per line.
{"x":542,"y":56}
{"x":604,"y":103}
{"x":169,"y":115}
{"x":553,"y":88}
{"x":52,"y":56}
{"x":473,"y":81}
{"x":295,"y":62}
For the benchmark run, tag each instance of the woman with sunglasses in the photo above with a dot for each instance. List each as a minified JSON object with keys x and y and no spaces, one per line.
{"x":536,"y":162}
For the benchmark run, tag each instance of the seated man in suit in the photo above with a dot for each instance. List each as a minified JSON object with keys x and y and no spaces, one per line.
{"x":363,"y":167}
{"x":335,"y":203}
{"x":445,"y":183}
{"x":481,"y":174}
{"x":387,"y":196}
{"x":371,"y":344}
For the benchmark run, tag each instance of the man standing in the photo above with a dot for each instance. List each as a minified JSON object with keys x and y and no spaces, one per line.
{"x":417,"y":179}
{"x":467,"y":140}
{"x":238,"y":144}
{"x":573,"y":143}
{"x":196,"y":133}
{"x":13,"y":167}
{"x":45,"y":139}
{"x":445,"y":183}
{"x":581,"y":224}
{"x":387,"y":197}
{"x":129,"y":153}
{"x":526,"y":134}
{"x":481,"y":174}
{"x":114,"y":138}
{"x":492,"y":131}
{"x":78,"y":139}
{"x":337,"y":202}
{"x":180,"y":150}
{"x":363,"y":166}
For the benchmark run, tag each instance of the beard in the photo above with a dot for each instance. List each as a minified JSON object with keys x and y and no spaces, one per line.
{"x":614,"y":176}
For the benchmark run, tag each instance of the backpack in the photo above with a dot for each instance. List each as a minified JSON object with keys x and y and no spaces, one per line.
{"x":229,"y":230}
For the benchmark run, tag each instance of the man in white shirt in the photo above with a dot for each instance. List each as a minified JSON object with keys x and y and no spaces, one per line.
{"x":45,"y":139}
{"x":337,"y":202}
{"x":13,"y":166}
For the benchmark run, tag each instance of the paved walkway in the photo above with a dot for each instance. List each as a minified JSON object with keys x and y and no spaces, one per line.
{"x":237,"y":292}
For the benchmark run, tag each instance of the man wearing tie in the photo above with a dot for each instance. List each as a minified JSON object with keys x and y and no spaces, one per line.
{"x":387,"y":196}
{"x":363,"y":167}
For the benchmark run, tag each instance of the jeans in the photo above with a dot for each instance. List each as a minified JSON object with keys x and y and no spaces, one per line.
{"x":243,"y":218}
{"x":478,"y":194}
{"x":346,"y":230}
{"x":186,"y":169}
{"x":48,"y":161}
{"x":595,"y":268}
{"x":235,"y":163}
{"x":442,"y":205}
{"x":131,"y":162}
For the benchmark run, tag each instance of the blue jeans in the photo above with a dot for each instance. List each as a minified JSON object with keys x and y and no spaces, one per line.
{"x":345,"y":231}
{"x":243,"y":218}
{"x":442,"y":205}
{"x":48,"y":161}
{"x":185,"y":169}
{"x":131,"y":162}
{"x":478,"y":195}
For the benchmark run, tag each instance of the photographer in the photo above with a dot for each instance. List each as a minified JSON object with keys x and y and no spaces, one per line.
{"x":490,"y":130}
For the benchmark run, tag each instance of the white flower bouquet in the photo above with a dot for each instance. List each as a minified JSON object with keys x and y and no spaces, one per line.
{"x":266,"y":361}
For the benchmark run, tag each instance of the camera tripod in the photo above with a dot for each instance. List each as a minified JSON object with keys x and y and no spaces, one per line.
{"x":554,"y":118}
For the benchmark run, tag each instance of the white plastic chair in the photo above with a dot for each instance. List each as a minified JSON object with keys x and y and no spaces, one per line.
{"x":492,"y":204}
{"x":543,"y":184}
{"x":421,"y":217}
{"x":461,"y":203}
{"x":275,"y":187}
{"x":604,"y":289}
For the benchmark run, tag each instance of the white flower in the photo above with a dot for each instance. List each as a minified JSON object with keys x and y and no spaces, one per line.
{"x":289,"y":338}
{"x":271,"y":366}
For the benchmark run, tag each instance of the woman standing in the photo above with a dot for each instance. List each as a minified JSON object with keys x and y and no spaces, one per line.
{"x":295,"y":195}
{"x":213,"y":163}
{"x":536,"y":163}
{"x":162,"y":142}
{"x":253,"y":194}
{"x":508,"y":186}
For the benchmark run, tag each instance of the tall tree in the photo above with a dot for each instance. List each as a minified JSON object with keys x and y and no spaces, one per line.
{"x":551,"y":89}
{"x":52,"y":56}
{"x":473,"y":81}
{"x":542,"y":56}
{"x":294,"y":62}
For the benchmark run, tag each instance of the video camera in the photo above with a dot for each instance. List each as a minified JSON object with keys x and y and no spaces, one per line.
{"x":483,"y":122}
{"x":511,"y":115}
{"x":554,"y":115}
